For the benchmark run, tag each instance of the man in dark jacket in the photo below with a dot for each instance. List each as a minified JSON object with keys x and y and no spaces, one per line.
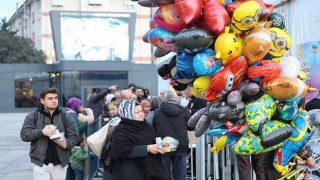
{"x":96,"y":101}
{"x":194,"y":104}
{"x":171,"y":120}
{"x":313,"y":104}
{"x":49,"y":150}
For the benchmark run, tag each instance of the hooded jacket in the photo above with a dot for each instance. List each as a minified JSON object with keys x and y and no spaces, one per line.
{"x":78,"y":157}
{"x":171,"y":120}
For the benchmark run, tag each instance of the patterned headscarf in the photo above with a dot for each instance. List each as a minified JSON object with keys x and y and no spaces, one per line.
{"x":126,"y":109}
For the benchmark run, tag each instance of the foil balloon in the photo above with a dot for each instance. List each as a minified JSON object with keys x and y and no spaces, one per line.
{"x":291,"y":66}
{"x":264,"y":71}
{"x":314,"y":119}
{"x":165,"y":69}
{"x":298,"y":139}
{"x":215,"y":17}
{"x":223,"y":141}
{"x":281,"y":42}
{"x":153,"y":3}
{"x":168,"y":18}
{"x":227,"y":46}
{"x":179,"y":86}
{"x":287,"y":110}
{"x":200,"y":85}
{"x":226,"y":79}
{"x":202,"y":125}
{"x":286,"y":88}
{"x":256,"y":44}
{"x":245,"y":17}
{"x":161,"y":38}
{"x":278,"y":20}
{"x":192,"y":122}
{"x":259,"y":109}
{"x":193,"y":40}
{"x":190,"y":10}
{"x":160,"y":52}
{"x":184,"y":66}
{"x":204,"y":63}
{"x":250,"y":143}
{"x":221,"y":111}
{"x":266,"y":8}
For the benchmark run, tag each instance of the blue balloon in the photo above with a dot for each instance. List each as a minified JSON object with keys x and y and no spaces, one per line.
{"x":204,"y":63}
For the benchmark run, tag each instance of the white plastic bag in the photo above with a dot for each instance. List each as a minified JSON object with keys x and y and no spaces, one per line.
{"x":97,"y":140}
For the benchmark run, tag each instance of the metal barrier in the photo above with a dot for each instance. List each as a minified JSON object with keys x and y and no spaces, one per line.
{"x":210,"y":166}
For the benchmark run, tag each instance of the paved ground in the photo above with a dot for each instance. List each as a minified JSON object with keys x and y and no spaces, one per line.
{"x":14,"y":158}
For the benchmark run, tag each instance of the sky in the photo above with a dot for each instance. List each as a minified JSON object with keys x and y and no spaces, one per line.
{"x":8,"y":7}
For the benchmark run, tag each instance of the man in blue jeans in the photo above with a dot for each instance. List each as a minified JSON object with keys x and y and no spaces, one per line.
{"x":170,"y":119}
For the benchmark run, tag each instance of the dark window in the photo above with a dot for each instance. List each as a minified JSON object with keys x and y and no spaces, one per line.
{"x":28,"y":86}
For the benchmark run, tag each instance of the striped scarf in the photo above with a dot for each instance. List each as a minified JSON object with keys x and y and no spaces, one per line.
{"x":126,"y":109}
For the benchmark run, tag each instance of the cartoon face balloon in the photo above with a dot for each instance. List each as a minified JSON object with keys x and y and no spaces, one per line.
{"x":245,"y":17}
{"x":256,"y":44}
{"x":204,"y":63}
{"x":281,"y":42}
{"x":167,"y":18}
{"x":228,"y":46}
{"x":200,"y":85}
{"x":161,"y":38}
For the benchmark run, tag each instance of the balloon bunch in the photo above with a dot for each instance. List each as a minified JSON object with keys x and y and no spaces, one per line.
{"x":233,"y":53}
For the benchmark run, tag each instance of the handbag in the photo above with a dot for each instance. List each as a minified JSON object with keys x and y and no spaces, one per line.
{"x":96,"y":140}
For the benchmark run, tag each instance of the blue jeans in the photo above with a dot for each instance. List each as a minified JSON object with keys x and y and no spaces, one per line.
{"x":79,"y":173}
{"x":178,"y":164}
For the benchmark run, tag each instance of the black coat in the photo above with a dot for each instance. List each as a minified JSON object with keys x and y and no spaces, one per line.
{"x":130,"y":158}
{"x":196,"y":104}
{"x":171,"y":120}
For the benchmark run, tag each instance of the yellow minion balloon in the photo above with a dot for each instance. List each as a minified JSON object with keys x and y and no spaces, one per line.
{"x":200,"y":85}
{"x":227,"y":46}
{"x":245,"y":17}
{"x":281,"y":42}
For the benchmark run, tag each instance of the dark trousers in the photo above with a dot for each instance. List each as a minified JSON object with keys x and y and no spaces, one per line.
{"x":79,"y":173}
{"x":244,"y":166}
{"x":178,"y":165}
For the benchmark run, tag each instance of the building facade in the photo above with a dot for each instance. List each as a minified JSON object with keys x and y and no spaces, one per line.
{"x":32,"y":20}
{"x":78,"y":77}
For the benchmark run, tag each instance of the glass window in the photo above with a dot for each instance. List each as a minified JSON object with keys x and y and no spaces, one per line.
{"x":81,"y":84}
{"x":28,"y":86}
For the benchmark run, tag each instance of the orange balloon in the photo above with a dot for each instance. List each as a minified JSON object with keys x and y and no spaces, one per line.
{"x":286,"y":88}
{"x":256,"y":44}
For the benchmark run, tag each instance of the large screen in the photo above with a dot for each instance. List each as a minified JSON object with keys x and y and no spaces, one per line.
{"x":92,"y":36}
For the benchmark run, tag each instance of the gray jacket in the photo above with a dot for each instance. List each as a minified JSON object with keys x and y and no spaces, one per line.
{"x":32,"y":132}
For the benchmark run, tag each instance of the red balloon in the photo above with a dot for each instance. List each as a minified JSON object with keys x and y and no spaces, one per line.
{"x":227,"y":79}
{"x":265,"y":70}
{"x":188,"y":10}
{"x":216,"y":17}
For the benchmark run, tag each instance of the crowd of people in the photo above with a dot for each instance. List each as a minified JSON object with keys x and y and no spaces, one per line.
{"x":130,"y":151}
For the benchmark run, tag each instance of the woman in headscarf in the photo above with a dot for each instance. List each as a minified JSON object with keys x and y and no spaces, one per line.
{"x":82,"y":116}
{"x":135,"y":155}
